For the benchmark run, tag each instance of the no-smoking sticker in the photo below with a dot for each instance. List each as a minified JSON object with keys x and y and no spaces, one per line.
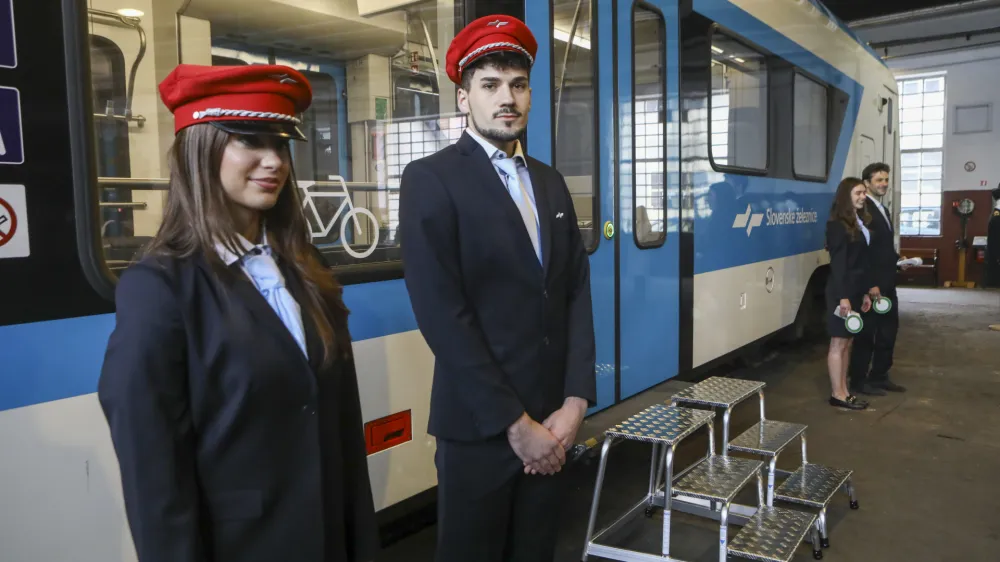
{"x":13,"y":222}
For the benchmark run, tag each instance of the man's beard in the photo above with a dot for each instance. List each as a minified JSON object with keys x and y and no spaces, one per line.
{"x":498,"y":135}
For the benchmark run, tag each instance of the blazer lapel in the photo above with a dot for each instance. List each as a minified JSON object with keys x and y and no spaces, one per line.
{"x":544,"y":220}
{"x":271,"y":325}
{"x":483,"y":168}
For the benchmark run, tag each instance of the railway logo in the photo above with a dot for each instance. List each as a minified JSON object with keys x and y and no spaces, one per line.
{"x":13,"y":222}
{"x":497,"y":23}
{"x":748,"y":220}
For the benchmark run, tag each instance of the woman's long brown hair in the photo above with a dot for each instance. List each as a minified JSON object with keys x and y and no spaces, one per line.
{"x":843,"y":208}
{"x":197,"y":216}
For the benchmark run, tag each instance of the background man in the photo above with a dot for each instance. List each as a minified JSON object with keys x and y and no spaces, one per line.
{"x":500,"y":285}
{"x":875,"y":345}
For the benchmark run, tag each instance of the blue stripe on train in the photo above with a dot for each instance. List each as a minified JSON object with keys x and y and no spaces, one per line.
{"x":57,"y":359}
{"x":792,"y":213}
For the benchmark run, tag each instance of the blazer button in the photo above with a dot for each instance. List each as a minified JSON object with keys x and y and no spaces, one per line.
{"x":545,"y":340}
{"x":545,"y":294}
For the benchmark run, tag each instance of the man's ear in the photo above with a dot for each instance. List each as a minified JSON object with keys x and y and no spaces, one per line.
{"x":462,"y":97}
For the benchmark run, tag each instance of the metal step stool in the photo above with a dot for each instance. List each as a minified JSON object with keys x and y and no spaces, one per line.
{"x":721,"y":392}
{"x":664,"y":427}
{"x":768,"y":438}
{"x":773,"y":534}
{"x":719,"y":479}
{"x":814,"y":485}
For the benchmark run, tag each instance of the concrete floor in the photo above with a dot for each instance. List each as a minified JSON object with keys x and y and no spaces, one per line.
{"x":926,"y":462}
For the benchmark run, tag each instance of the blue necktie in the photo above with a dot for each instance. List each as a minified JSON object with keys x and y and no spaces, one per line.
{"x":271,"y":284}
{"x":521,"y":199}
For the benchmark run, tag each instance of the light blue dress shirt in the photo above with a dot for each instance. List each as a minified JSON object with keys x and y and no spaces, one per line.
{"x":260,"y":267}
{"x":502,"y":164}
{"x":864,"y":229}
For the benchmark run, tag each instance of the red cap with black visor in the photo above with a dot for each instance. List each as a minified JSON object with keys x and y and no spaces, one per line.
{"x":244,"y":100}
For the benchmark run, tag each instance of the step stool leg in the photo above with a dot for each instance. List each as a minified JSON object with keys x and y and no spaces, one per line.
{"x":724,"y":533}
{"x":761,"y":394}
{"x":597,"y":495}
{"x":760,"y":490}
{"x":821,"y":524}
{"x":655,"y":464}
{"x":850,"y":492}
{"x":668,"y":478}
{"x":817,"y":549}
{"x":770,"y":481}
{"x":725,"y":432}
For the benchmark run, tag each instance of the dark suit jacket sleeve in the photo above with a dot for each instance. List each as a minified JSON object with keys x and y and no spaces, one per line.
{"x":143,"y":392}
{"x":432,"y":270}
{"x":836,"y":242}
{"x":581,"y":351}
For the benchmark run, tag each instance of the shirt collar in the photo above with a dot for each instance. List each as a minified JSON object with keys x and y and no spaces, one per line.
{"x":491,"y":150}
{"x":876,"y":201}
{"x":228,"y":257}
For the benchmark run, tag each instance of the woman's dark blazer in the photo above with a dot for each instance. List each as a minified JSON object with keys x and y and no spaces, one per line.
{"x":850,"y":271}
{"x":232,"y":445}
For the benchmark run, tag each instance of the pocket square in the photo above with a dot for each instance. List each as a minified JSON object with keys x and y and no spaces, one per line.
{"x":559,"y":215}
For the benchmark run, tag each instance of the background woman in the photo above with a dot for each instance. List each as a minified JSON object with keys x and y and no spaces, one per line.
{"x":228,"y":383}
{"x":847,"y":239}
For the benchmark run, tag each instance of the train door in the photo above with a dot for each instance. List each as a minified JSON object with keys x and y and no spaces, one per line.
{"x":890,"y":149}
{"x":647,"y":222}
{"x":612,"y":99}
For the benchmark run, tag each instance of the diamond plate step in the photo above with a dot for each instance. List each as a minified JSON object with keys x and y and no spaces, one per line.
{"x":767,"y":438}
{"x":772,"y":534}
{"x":813,"y":485}
{"x":721,"y":392}
{"x":661,"y":424}
{"x":717,"y":478}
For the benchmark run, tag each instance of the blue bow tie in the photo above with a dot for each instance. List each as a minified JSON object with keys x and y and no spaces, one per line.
{"x":260,"y":265}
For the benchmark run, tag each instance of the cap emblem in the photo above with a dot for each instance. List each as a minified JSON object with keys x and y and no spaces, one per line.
{"x":284,"y":79}
{"x":497,"y":23}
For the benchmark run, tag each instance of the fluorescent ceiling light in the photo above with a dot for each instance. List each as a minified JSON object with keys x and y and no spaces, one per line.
{"x":717,"y":50}
{"x":131,"y":13}
{"x":577,"y":40}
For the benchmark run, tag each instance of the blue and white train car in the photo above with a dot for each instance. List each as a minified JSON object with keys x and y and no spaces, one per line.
{"x":701,"y":139}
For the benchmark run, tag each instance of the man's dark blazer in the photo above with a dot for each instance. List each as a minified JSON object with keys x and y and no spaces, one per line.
{"x":231,"y":444}
{"x":508,"y":334}
{"x":883,"y":256}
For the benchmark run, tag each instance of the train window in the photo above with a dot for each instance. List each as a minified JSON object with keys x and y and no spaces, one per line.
{"x":809,"y":141}
{"x":648,"y":125}
{"x":574,"y":118}
{"x":381,"y":99}
{"x":738,"y":106}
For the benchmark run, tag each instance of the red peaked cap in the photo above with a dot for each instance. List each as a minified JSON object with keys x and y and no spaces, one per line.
{"x":488,"y":34}
{"x":249,"y":99}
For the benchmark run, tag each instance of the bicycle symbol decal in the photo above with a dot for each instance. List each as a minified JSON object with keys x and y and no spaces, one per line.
{"x":352,"y":213}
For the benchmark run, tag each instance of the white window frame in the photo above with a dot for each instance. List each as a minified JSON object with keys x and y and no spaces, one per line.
{"x":922,"y":211}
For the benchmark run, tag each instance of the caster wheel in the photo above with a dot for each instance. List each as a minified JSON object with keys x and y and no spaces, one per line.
{"x":825,"y":543}
{"x":854,"y":504}
{"x":818,"y":554}
{"x":650,"y":511}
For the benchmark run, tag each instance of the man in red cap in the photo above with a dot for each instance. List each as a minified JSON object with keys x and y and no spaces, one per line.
{"x":499,"y":281}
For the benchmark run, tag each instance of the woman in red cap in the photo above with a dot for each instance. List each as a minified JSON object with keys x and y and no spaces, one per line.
{"x":228,"y":383}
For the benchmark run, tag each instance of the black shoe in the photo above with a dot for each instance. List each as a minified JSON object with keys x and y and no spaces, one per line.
{"x":889,"y":385}
{"x":869,"y":389}
{"x":852,"y":403}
